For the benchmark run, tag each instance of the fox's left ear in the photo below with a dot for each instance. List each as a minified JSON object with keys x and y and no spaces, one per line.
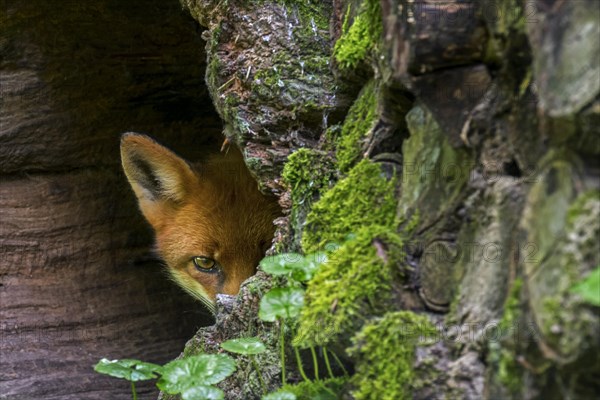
{"x":157,"y":175}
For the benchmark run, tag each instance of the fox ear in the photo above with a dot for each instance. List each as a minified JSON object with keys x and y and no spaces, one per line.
{"x":156,"y":174}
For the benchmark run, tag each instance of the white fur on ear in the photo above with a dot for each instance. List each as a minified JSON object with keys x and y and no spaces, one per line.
{"x":154,"y":172}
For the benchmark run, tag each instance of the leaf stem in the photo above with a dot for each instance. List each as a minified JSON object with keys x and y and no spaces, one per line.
{"x":315,"y":362}
{"x":260,"y":377}
{"x":329,"y":371}
{"x":337,"y":360}
{"x":282,"y":343}
{"x":133,"y":392}
{"x":300,"y":368}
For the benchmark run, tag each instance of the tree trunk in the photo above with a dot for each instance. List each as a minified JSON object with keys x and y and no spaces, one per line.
{"x":78,"y":282}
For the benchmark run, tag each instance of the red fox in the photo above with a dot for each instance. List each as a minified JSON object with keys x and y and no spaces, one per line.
{"x":211,"y":222}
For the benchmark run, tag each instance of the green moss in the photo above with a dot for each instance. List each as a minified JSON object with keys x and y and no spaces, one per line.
{"x":310,"y":10}
{"x":512,"y":17}
{"x":384,"y":351}
{"x":330,"y":137}
{"x":563,"y":316}
{"x":289,"y":88}
{"x":364,"y":198}
{"x":327,"y":389}
{"x":297,"y":84}
{"x":564,"y":225}
{"x":507,"y":27}
{"x":314,"y":14}
{"x":359,"y":122}
{"x":355,"y":284}
{"x":293,"y":82}
{"x":356,"y":281}
{"x":552,"y":311}
{"x":512,"y":306}
{"x":360,"y":37}
{"x":581,"y":206}
{"x":307,"y":171}
{"x":509,"y":371}
{"x":213,"y":68}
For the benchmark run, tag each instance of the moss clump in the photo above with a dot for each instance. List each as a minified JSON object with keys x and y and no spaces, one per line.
{"x":384,"y":351}
{"x":364,"y":198}
{"x":361,"y":37}
{"x":353,"y":285}
{"x":359,"y":122}
{"x":307,"y":172}
{"x":360,"y":214}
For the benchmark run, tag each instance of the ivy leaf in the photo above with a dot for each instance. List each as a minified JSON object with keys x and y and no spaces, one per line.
{"x":280,"y":395}
{"x":128,"y":369}
{"x":249,"y":345}
{"x":281,"y":264}
{"x":281,"y":303}
{"x":205,"y":369}
{"x":203,"y":392}
{"x":589,"y":288}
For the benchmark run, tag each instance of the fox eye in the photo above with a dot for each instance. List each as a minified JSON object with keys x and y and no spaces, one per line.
{"x":204,"y":264}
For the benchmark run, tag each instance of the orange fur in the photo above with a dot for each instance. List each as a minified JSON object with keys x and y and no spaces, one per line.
{"x":213,"y":209}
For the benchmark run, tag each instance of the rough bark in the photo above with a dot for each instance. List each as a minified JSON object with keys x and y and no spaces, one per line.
{"x":268,"y":75}
{"x":77,"y":279}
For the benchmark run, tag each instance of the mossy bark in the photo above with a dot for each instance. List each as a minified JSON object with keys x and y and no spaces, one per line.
{"x":450,"y":154}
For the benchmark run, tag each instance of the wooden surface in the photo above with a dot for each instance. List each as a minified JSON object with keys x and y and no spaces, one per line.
{"x":77,"y":282}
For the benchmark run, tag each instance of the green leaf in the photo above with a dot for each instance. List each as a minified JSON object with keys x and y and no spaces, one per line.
{"x":320,"y":257}
{"x":204,"y":369}
{"x":281,"y":264}
{"x":128,"y":369}
{"x":249,"y":345}
{"x":589,"y":288}
{"x":203,"y":392}
{"x":309,"y":266}
{"x":298,"y":267}
{"x":281,"y":303}
{"x":280,"y":395}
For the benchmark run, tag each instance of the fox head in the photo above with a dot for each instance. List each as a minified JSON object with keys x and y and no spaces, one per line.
{"x":211,"y":222}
